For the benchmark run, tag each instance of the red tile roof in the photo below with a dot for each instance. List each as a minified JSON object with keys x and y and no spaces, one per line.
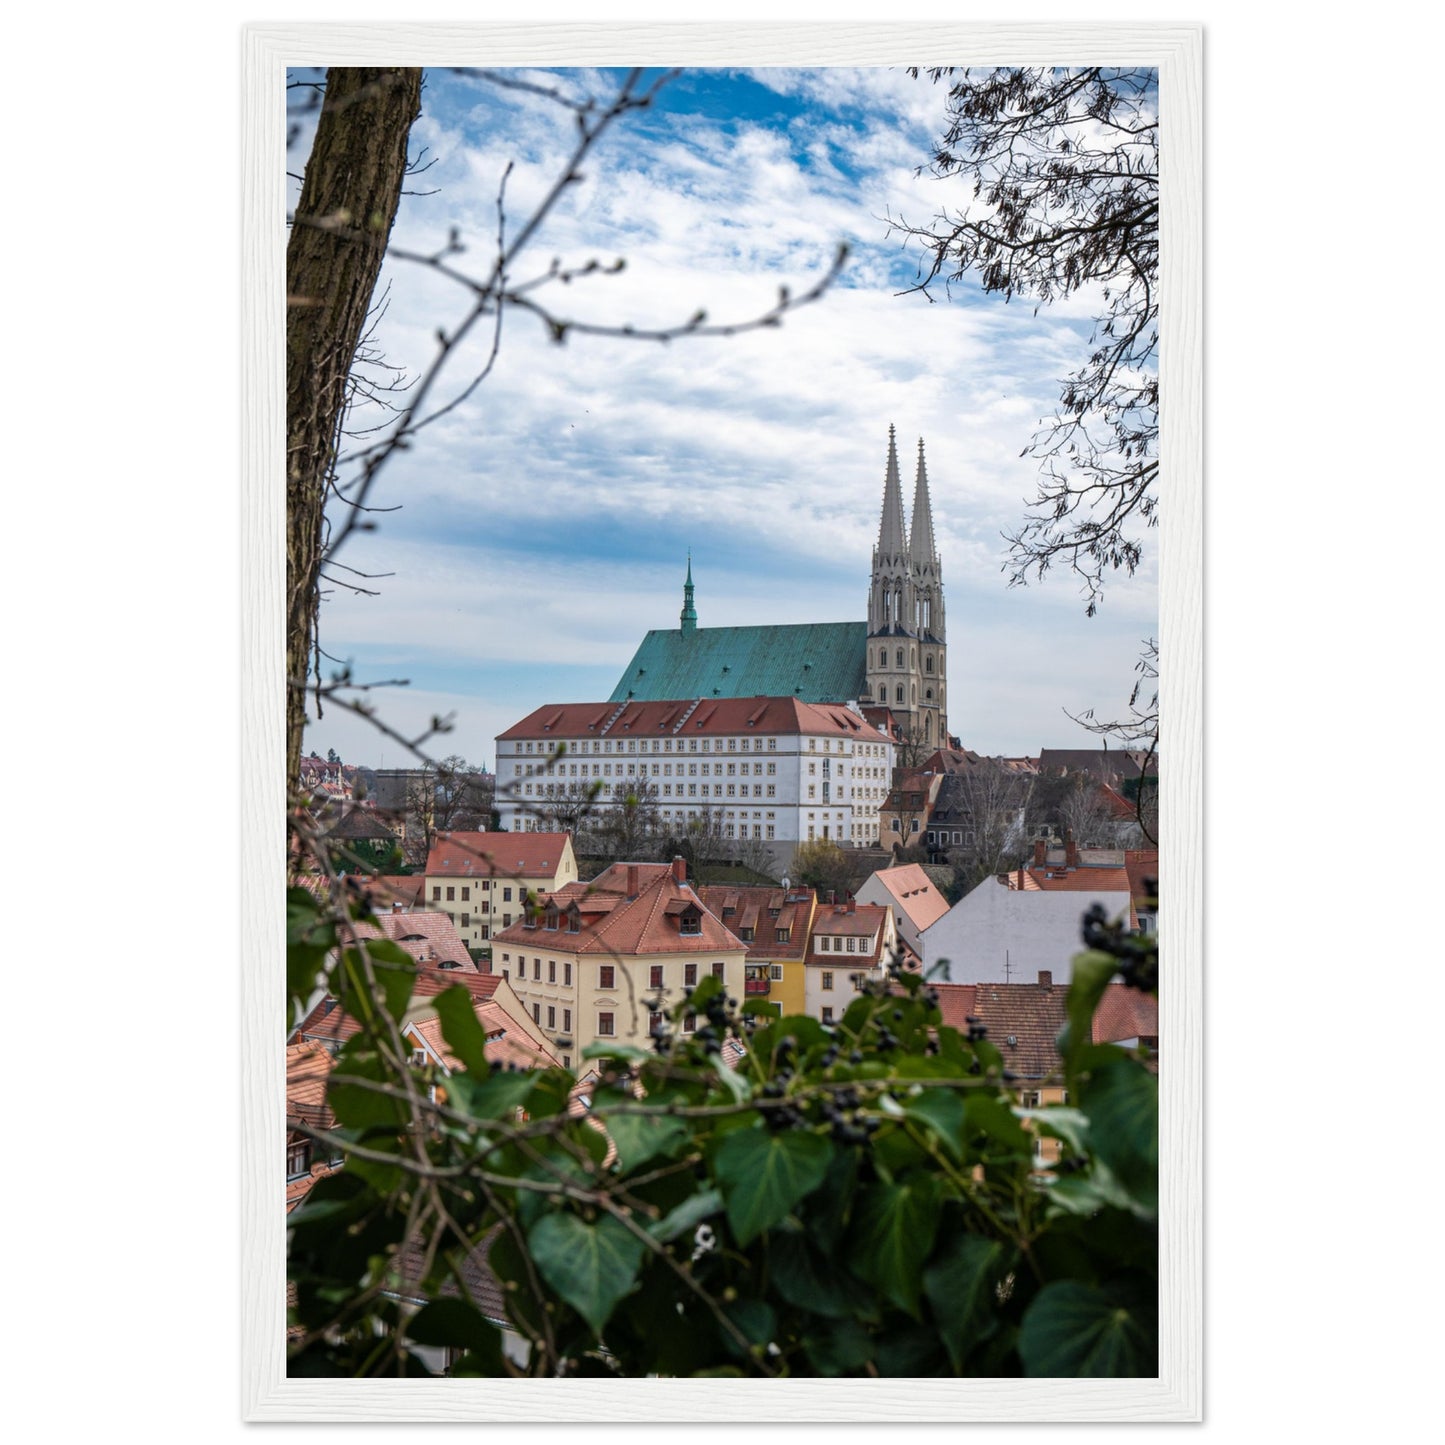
{"x":612,"y":923}
{"x":688,"y":717}
{"x":496,"y":855}
{"x":1125,"y":1013}
{"x":754,"y":906}
{"x":428,"y":937}
{"x":861,"y":920}
{"x":1059,"y":879}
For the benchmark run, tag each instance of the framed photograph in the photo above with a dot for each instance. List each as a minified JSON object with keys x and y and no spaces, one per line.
{"x":595,"y":377}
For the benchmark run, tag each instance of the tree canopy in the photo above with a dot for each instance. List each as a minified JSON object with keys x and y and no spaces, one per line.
{"x":1064,"y":173}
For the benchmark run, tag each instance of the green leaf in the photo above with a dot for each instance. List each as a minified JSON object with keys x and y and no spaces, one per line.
{"x":1092,"y":972}
{"x":1122,"y":1102}
{"x":462,"y":1029}
{"x":640,"y":1137}
{"x":840,"y":1349}
{"x":496,"y":1097}
{"x":941,"y":1113}
{"x":590,"y":1265}
{"x":687,"y":1216}
{"x":892,"y":1235}
{"x":455,"y":1323}
{"x":1074,"y":1329}
{"x":1059,"y":1121}
{"x":986,"y":1115}
{"x":809,"y":1281}
{"x":764,"y":1175}
{"x":961,"y":1291}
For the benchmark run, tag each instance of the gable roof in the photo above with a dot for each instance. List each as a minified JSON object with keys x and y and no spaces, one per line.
{"x":687,"y":716}
{"x":496,"y":855}
{"x":428,"y":937}
{"x":814,"y":662}
{"x":767,"y":911}
{"x":913,"y":891}
{"x":616,"y":924}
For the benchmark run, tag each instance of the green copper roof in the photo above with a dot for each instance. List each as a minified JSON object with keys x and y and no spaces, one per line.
{"x":812,"y":661}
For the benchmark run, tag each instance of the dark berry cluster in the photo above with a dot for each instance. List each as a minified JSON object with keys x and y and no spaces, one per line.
{"x":1137,"y":954}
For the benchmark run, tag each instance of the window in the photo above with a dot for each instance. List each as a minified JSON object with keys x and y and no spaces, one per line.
{"x":466,"y":920}
{"x":551,"y":970}
{"x":784,"y":934}
{"x":717,"y":970}
{"x":566,"y":1021}
{"x":775,"y":972}
{"x":466,"y":893}
{"x":655,"y":976}
{"x":689,"y":1023}
{"x":536,"y":1013}
{"x":654,"y":1022}
{"x":436,"y":893}
{"x":604,"y":1025}
{"x":827,"y":980}
{"x":506,"y":894}
{"x":606,"y":976}
{"x":689,"y":974}
{"x":852,"y":945}
{"x":567,"y":974}
{"x":298,"y":1158}
{"x":451,"y":894}
{"x":827,"y":1014}
{"x":551,"y":1016}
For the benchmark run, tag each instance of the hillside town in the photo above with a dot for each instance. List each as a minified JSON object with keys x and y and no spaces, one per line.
{"x":783,"y":808}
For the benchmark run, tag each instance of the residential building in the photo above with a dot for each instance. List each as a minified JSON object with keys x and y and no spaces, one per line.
{"x":851,"y":943}
{"x":1027,"y":920}
{"x":481,"y":880}
{"x":606,"y":961}
{"x":911,"y":895}
{"x":308,"y":1068}
{"x":904,"y":815}
{"x":776,"y":925}
{"x":769,"y":770}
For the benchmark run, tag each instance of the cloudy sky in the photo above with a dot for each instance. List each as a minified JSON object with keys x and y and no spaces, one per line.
{"x":544,"y":524}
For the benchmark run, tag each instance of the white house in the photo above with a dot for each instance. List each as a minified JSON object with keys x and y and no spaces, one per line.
{"x":1011,"y":928}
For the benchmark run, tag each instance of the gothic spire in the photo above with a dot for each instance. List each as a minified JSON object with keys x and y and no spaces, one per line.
{"x":922,"y":550}
{"x":688,"y":617}
{"x":891,"y":538}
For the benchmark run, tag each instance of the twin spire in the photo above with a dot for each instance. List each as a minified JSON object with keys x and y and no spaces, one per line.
{"x":917,"y":542}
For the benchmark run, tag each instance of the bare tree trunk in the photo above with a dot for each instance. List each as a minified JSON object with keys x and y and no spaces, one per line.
{"x":338,"y":239}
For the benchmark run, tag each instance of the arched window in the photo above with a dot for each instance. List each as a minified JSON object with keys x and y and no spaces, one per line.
{"x":900,"y":693}
{"x":900,"y":657}
{"x":915,"y":692}
{"x":928,"y":663}
{"x":928,"y":695}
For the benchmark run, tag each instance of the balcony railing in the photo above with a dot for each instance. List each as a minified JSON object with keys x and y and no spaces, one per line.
{"x":757,"y":986}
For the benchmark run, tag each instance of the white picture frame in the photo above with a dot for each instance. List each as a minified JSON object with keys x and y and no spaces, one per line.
{"x":267,"y":1393}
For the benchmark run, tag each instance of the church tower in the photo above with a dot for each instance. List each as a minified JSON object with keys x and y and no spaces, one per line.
{"x":906,"y":632}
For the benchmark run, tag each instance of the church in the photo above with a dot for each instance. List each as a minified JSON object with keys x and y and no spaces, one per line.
{"x":896,"y":659}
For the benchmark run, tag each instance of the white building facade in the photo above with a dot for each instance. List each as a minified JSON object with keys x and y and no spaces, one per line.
{"x":769,"y":770}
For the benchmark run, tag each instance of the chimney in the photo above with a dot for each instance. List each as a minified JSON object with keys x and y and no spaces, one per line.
{"x":852,"y":905}
{"x":1039,"y":847}
{"x":1046,"y":978}
{"x":632,"y":880}
{"x":396,"y":905}
{"x":1071,"y":851}
{"x":679,"y":868}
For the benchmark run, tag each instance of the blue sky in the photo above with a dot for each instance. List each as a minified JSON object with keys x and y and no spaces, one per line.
{"x":544,"y":525}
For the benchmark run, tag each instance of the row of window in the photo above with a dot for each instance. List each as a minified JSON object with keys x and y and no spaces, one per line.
{"x":828,"y":943}
{"x":606,"y":972}
{"x":436,"y":893}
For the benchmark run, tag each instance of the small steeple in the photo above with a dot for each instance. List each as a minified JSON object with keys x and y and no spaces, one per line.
{"x":920,"y":534}
{"x":891,"y":538}
{"x":689,"y":612}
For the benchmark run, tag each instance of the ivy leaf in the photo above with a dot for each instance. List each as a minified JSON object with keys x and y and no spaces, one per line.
{"x":462,"y":1029}
{"x":590,"y":1265}
{"x":1122,"y":1102}
{"x":1091,"y":974}
{"x":892,"y":1235}
{"x":687,"y":1216}
{"x":1078,"y":1329}
{"x":941,"y":1112}
{"x":640,"y":1137}
{"x":764,"y":1175}
{"x":455,"y":1323}
{"x":960,"y":1288}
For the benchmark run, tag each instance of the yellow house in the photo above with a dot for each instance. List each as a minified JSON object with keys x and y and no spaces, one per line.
{"x":774,"y":924}
{"x":481,"y":880}
{"x":608,"y":960}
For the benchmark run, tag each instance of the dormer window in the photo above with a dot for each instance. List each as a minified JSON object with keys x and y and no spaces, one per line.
{"x":690,"y":922}
{"x":298,"y":1159}
{"x":746,"y":934}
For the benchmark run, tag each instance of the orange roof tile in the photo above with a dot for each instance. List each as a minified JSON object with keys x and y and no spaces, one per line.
{"x":496,"y":855}
{"x":914,"y":892}
{"x":687,"y":717}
